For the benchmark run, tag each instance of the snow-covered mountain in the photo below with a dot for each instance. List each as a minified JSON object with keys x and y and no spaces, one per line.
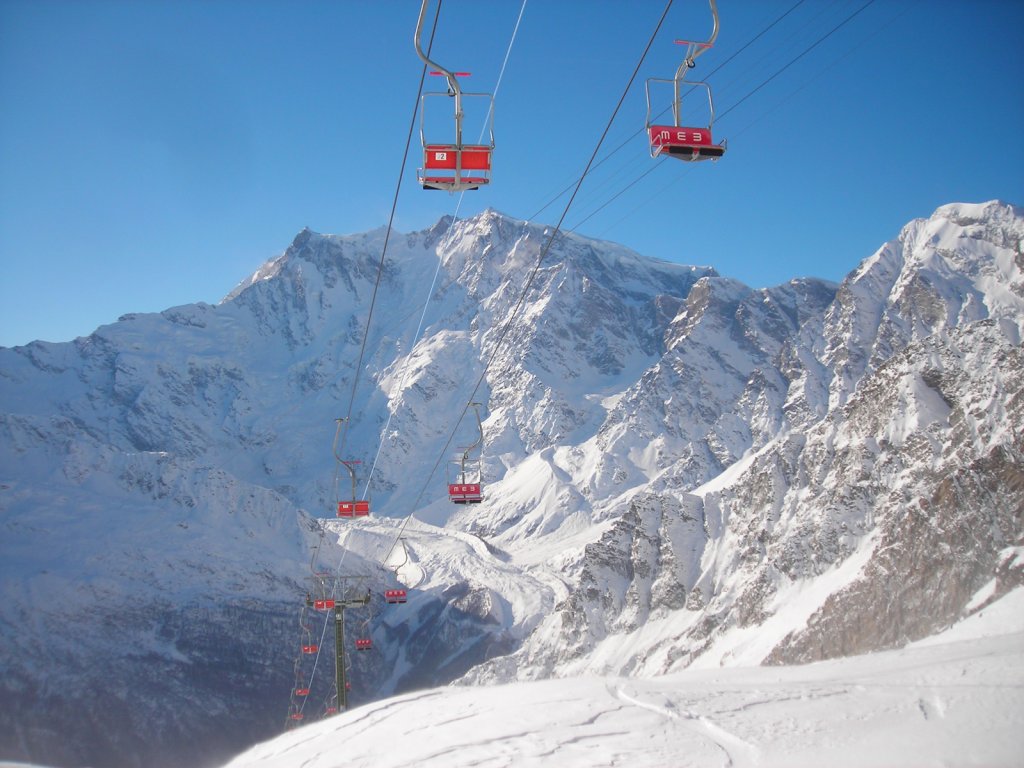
{"x":679,"y":471}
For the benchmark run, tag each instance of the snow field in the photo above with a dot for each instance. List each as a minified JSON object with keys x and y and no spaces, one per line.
{"x":956,"y":699}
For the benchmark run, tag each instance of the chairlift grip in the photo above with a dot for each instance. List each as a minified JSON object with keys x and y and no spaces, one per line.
{"x":453,"y":82}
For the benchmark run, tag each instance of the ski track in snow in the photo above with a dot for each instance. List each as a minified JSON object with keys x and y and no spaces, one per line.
{"x":955,"y":703}
{"x":737,"y":752}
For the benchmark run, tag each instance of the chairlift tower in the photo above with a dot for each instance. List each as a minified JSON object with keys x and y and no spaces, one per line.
{"x":339,"y":606}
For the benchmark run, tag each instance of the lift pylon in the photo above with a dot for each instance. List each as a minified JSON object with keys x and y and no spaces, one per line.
{"x":338,"y":606}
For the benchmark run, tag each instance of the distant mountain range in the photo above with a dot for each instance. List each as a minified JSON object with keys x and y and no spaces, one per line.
{"x":678,"y":470}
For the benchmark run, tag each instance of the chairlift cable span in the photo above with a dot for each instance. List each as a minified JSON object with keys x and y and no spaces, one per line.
{"x":437,"y":268}
{"x":750,"y":93}
{"x":589,"y":167}
{"x":607,"y":157}
{"x":578,"y":183}
{"x":576,"y":187}
{"x":640,"y":131}
{"x":387,"y":238}
{"x":799,"y":56}
{"x":533,"y":274}
{"x":296,"y":712}
{"x":301,"y":689}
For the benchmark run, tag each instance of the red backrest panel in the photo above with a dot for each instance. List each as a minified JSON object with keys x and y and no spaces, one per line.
{"x":476,"y":158}
{"x":464,"y":489}
{"x":443,"y":156}
{"x":439,"y":157}
{"x":678,"y":136}
{"x":353,"y":508}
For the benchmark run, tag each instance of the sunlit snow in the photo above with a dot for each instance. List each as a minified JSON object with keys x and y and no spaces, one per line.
{"x":956,"y":699}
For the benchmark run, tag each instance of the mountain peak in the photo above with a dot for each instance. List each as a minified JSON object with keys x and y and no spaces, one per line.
{"x":304,"y":237}
{"x":972,"y":213}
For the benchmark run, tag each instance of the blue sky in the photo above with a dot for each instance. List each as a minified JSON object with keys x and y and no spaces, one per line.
{"x":155,"y":153}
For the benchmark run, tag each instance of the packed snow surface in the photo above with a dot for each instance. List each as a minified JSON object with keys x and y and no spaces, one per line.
{"x":956,"y":699}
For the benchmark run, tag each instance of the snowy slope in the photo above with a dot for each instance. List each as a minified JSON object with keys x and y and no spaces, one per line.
{"x":161,"y":479}
{"x":679,"y":471}
{"x":956,"y":700}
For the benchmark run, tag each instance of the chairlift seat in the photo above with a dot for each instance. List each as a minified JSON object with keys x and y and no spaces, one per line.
{"x":465,"y":493}
{"x":475,"y":157}
{"x":452,"y":184}
{"x":449,"y":157}
{"x":684,"y":143}
{"x":353,"y":508}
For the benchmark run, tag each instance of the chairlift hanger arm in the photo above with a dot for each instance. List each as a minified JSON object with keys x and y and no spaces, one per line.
{"x":696,"y":48}
{"x":479,"y":426}
{"x":693,"y":50}
{"x":453,"y":82}
{"x":334,"y":449}
{"x":347,"y":463}
{"x":480,"y":438}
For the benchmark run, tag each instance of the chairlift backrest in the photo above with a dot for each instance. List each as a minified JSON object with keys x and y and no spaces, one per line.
{"x":355,"y":508}
{"x":465,"y":493}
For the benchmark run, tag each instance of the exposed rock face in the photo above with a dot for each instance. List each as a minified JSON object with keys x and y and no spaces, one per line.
{"x":940,"y":532}
{"x":645,"y":565}
{"x":888,"y":471}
